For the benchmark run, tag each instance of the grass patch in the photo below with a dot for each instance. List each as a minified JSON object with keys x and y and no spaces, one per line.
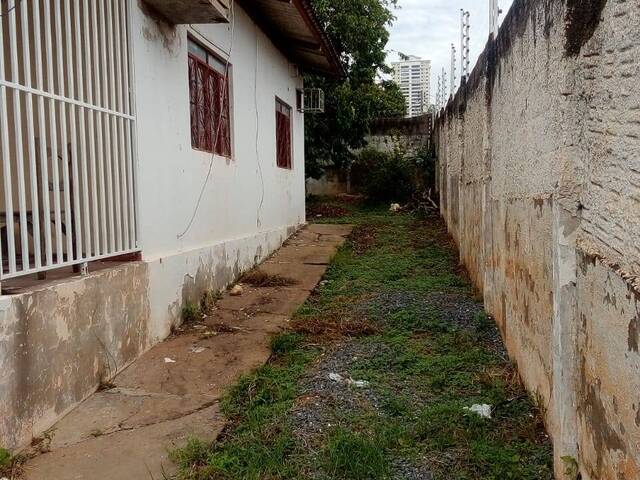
{"x":354,"y":455}
{"x":395,"y":291}
{"x":191,"y":312}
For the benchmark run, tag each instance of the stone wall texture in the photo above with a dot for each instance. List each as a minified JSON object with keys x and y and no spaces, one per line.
{"x":539,"y":179}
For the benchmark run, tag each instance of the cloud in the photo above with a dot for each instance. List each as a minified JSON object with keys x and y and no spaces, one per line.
{"x":427,"y":28}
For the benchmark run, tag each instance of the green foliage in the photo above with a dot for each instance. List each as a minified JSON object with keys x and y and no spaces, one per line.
{"x":5,"y":458}
{"x":285,"y":343}
{"x":394,"y":176}
{"x":191,"y":312}
{"x":355,"y":456}
{"x":359,"y":29}
{"x":208,"y":301}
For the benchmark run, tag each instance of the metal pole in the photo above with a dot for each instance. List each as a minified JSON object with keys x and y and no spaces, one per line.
{"x":453,"y":69}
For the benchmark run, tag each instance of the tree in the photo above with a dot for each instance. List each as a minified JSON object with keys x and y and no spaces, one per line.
{"x":359,"y":30}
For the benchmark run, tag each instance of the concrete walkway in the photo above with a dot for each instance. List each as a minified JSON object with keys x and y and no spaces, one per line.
{"x":172,"y":392}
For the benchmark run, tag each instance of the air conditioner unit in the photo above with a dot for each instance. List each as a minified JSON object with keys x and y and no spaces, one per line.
{"x":310,"y":100}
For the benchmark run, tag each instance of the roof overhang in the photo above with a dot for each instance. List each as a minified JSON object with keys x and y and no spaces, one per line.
{"x":294,"y":28}
{"x":191,"y":11}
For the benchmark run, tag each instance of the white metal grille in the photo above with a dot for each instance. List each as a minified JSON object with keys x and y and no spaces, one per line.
{"x":67,"y":136}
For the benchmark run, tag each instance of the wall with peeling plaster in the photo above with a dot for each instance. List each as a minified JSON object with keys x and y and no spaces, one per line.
{"x":539,"y":178}
{"x":58,"y":342}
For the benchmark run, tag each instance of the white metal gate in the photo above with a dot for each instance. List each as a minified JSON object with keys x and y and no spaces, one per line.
{"x":67,"y":136}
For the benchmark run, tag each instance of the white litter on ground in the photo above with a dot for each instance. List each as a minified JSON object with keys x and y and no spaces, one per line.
{"x":169,"y":360}
{"x":336,"y":377}
{"x":483,"y":410}
{"x":196,"y":349}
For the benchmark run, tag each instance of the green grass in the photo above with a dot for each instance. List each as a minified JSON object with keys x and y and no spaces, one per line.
{"x":422,"y":368}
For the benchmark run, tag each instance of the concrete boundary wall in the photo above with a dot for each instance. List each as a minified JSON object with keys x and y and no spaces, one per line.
{"x":539,"y":178}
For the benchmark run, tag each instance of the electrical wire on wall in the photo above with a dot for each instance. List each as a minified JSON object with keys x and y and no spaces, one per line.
{"x":218,"y":124}
{"x":255,"y":100}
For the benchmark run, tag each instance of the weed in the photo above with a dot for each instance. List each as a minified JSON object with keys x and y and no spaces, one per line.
{"x":258,"y":278}
{"x":191,"y":312}
{"x":333,"y":326}
{"x":5,"y":458}
{"x":285,"y":343}
{"x":356,"y":456}
{"x":208,"y":301}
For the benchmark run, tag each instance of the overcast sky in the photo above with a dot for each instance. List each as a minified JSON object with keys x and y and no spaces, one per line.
{"x":427,"y":28}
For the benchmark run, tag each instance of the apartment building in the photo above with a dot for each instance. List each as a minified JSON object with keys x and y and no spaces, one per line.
{"x":413,"y":74}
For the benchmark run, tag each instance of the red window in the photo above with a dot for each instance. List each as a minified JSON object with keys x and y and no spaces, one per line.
{"x":283,"y":134}
{"x":209,"y":98}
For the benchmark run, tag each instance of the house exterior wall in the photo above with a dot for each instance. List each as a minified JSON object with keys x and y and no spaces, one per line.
{"x":538,"y":165}
{"x":59,"y":341}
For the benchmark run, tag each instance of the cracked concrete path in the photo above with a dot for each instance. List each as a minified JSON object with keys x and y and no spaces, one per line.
{"x":155,"y":405}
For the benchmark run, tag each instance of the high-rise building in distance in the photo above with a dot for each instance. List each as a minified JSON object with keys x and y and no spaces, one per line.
{"x":413,"y":75}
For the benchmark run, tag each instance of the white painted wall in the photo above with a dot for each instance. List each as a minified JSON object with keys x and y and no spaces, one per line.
{"x":248,"y":209}
{"x":244,"y":196}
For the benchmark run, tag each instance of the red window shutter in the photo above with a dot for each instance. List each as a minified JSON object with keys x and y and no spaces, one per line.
{"x":209,"y":108}
{"x":283,"y":134}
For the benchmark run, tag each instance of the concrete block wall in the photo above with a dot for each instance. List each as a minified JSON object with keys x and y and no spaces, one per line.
{"x":539,"y":177}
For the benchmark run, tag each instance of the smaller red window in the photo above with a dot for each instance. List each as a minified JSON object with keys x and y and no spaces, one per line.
{"x":283,"y":134}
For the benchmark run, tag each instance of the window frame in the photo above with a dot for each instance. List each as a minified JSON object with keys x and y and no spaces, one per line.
{"x":221,"y":77}
{"x":284,"y":158}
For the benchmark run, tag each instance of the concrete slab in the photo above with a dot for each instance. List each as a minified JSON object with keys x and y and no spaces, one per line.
{"x":120,"y":409}
{"x":330,"y":229}
{"x":277,"y":301}
{"x":135,"y":454}
{"x":305,"y":254}
{"x":175,"y":368}
{"x":306,"y":276}
{"x":172,"y":391}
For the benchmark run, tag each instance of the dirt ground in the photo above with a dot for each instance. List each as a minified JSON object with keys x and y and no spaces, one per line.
{"x":378,"y":374}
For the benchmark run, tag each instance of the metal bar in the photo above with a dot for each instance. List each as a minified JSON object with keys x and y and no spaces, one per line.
{"x":130,"y":182}
{"x":31,"y":147}
{"x":109,"y":181}
{"x":101,"y":186}
{"x":44,"y":168}
{"x":123,"y":182}
{"x":61,"y":98}
{"x":103,"y":43}
{"x":82,"y":159}
{"x":53,"y":133}
{"x":125,"y":56}
{"x":100,"y":142}
{"x":17,"y":121}
{"x":115,"y":157}
{"x":75,"y":190}
{"x":92,"y":143}
{"x":116,"y":184}
{"x":118,"y":49}
{"x":69,"y":227}
{"x":6,"y":167}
